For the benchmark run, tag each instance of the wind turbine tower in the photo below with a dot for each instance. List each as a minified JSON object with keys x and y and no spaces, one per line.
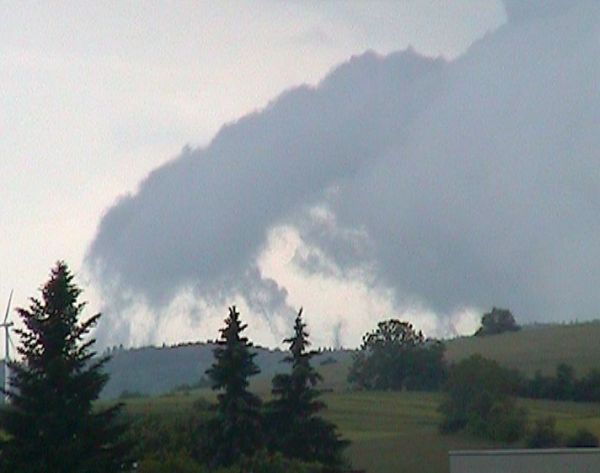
{"x":7,"y":342}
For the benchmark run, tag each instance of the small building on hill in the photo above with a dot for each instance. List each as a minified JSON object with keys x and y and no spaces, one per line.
{"x":555,"y":460}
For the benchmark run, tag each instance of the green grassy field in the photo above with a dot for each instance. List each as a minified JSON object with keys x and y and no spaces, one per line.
{"x":536,"y":347}
{"x":396,"y":432}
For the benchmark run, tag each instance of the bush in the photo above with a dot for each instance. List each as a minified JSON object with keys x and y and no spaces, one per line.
{"x":503,"y":421}
{"x":588,"y":387}
{"x":261,"y":462}
{"x":156,"y":436}
{"x":583,"y":438}
{"x":125,"y":395}
{"x":330,"y":360}
{"x":178,"y":462}
{"x":185,"y":388}
{"x":563,"y":385}
{"x":544,"y":434}
{"x":478,"y":398}
{"x":264,"y":462}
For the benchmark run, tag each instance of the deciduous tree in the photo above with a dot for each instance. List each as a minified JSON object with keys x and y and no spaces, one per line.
{"x":396,"y":356}
{"x":479,"y":397}
{"x":497,"y":321}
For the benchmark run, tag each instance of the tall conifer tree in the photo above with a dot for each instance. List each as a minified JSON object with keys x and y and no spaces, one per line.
{"x":295,"y":428}
{"x":51,"y":424}
{"x":236,"y":430}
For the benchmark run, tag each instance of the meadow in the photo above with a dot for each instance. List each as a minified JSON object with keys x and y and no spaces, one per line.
{"x":391,"y":431}
{"x":536,"y":347}
{"x":397,"y":431}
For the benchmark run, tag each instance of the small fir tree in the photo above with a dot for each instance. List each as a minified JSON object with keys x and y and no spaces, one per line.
{"x":295,"y":428}
{"x":236,"y":430}
{"x":51,"y":425}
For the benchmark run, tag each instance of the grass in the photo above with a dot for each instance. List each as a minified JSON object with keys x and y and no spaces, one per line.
{"x":536,"y":347}
{"x":167,"y":405}
{"x":334,"y":376}
{"x":395,"y":432}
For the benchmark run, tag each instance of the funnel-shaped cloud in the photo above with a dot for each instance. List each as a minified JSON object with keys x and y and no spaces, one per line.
{"x":469,"y":183}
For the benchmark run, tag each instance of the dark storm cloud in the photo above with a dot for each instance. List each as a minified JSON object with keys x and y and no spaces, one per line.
{"x":469,"y":183}
{"x":202,"y":219}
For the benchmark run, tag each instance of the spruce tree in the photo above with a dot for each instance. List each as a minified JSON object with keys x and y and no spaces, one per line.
{"x":236,"y":430}
{"x":295,"y":428}
{"x":51,"y":424}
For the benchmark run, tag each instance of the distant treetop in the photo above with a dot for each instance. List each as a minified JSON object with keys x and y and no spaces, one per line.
{"x":497,"y":321}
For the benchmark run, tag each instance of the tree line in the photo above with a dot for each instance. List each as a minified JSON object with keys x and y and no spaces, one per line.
{"x":53,"y":424}
{"x":479,"y":396}
{"x":564,"y":385}
{"x":395,"y":356}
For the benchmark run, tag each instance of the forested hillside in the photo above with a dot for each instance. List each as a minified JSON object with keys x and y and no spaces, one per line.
{"x":154,"y":370}
{"x":158,"y":370}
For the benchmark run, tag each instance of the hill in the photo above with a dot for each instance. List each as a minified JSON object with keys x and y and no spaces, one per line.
{"x":536,"y":347}
{"x":153,"y":370}
{"x":393,"y":431}
{"x":159,"y":370}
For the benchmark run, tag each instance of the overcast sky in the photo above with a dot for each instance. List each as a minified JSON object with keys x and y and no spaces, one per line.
{"x":95,"y":95}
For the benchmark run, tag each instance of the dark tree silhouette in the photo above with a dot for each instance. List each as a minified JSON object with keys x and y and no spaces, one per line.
{"x":236,"y":430}
{"x":479,"y":398}
{"x":51,"y":423}
{"x":497,"y":321}
{"x":295,"y":428}
{"x":395,"y":356}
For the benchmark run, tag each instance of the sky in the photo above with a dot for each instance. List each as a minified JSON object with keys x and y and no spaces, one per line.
{"x":171,"y":155}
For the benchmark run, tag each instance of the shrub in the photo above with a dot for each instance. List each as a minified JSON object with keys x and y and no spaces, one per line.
{"x":261,"y":462}
{"x":157,"y":435}
{"x":588,"y":387}
{"x":330,"y":360}
{"x":125,"y":395}
{"x":178,"y":462}
{"x":478,"y":398}
{"x":503,"y":421}
{"x":264,"y":462}
{"x":544,"y":434}
{"x":583,"y":438}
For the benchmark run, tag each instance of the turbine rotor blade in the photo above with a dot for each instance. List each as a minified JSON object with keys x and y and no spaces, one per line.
{"x":8,"y":306}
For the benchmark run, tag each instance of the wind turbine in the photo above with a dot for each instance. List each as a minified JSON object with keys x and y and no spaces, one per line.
{"x":7,"y":341}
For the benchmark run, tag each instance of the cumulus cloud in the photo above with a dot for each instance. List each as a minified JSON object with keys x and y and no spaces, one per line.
{"x":448,"y":186}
